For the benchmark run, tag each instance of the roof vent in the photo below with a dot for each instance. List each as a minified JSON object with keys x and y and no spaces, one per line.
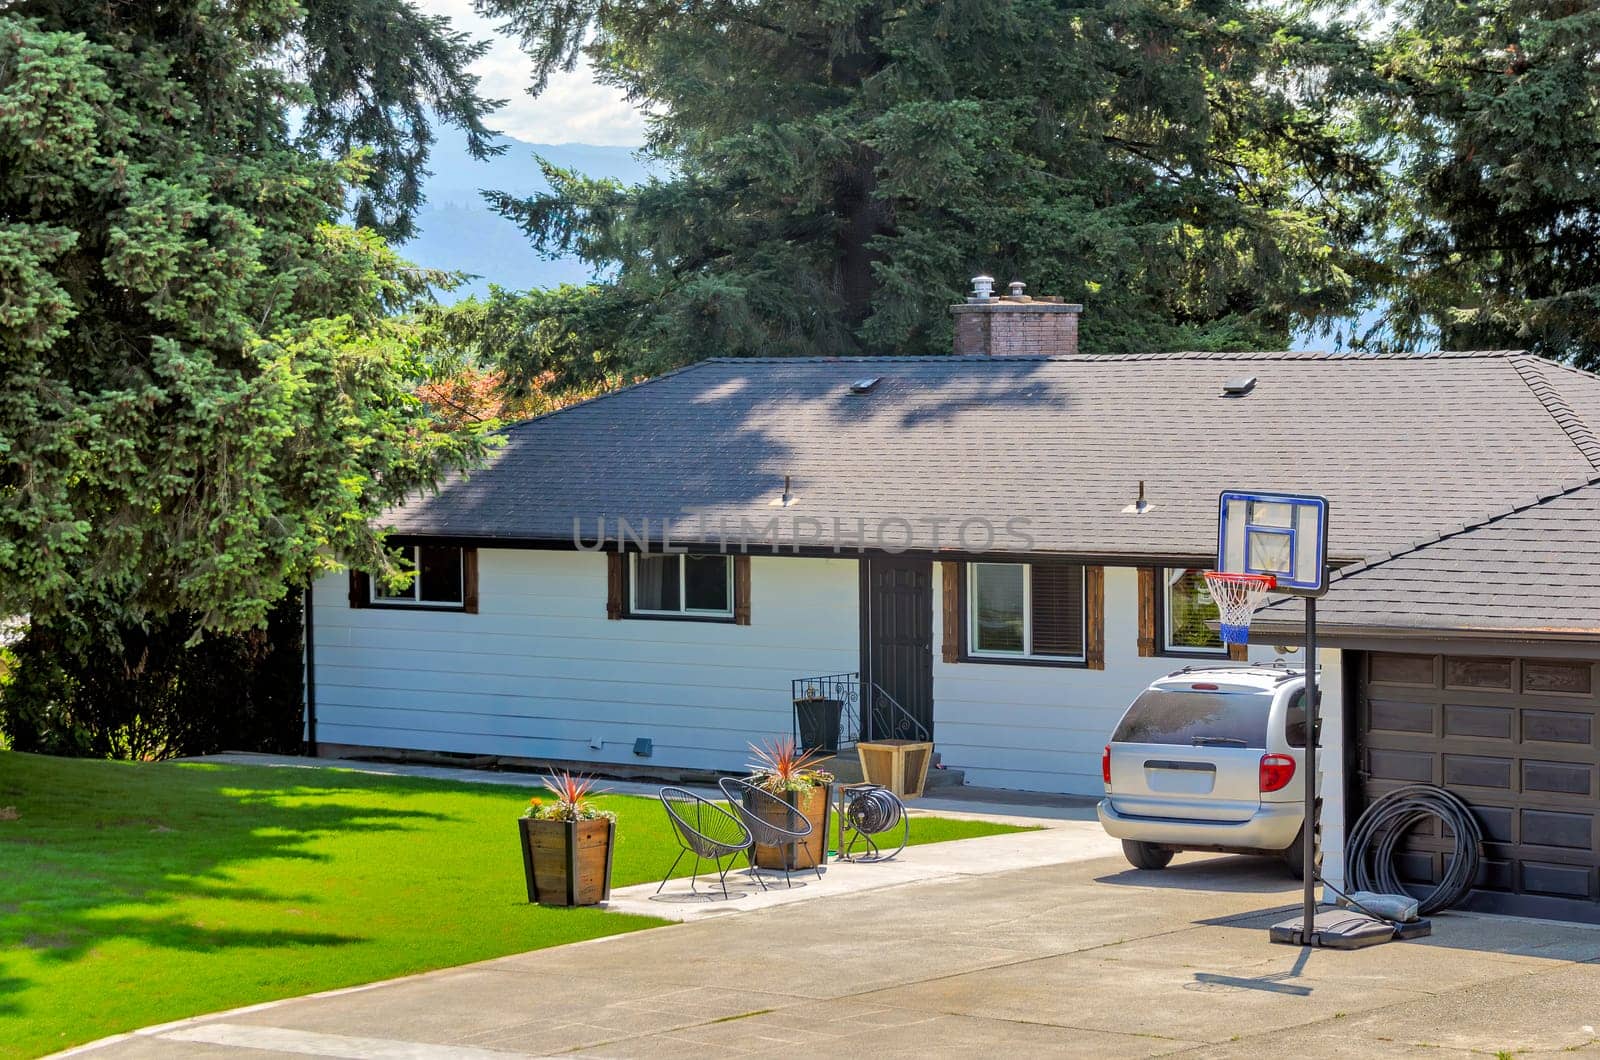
{"x":784,"y":499}
{"x":864,"y":384}
{"x":1140,"y":505}
{"x":982,"y":289}
{"x":1238,"y":386}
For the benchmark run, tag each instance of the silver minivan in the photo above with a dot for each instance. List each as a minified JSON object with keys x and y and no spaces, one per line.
{"x":1208,"y":758}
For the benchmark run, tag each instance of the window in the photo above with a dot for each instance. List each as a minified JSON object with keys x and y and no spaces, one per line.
{"x":440,"y":581}
{"x":1025,"y":611}
{"x":693,"y":586}
{"x":1186,"y":610}
{"x":1294,"y":719}
{"x":1195,"y":719}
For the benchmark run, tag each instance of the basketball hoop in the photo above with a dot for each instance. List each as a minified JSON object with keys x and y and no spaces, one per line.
{"x":1237,"y":597}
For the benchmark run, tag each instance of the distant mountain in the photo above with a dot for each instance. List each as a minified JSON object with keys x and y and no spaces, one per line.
{"x":458,"y":231}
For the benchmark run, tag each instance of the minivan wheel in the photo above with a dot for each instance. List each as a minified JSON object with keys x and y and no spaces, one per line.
{"x":1294,"y":855}
{"x":1146,"y":855}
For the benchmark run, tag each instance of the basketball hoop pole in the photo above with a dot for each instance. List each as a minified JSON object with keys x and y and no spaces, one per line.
{"x":1266,"y":541}
{"x":1309,"y":907}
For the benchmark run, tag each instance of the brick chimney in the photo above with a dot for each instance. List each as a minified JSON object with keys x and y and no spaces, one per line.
{"x":1011,"y":325}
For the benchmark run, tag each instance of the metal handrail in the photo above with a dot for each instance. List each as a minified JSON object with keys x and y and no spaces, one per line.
{"x":846,"y":688}
{"x":880,"y":717}
{"x":900,"y":720}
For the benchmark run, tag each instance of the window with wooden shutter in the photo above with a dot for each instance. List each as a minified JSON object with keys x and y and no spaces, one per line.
{"x":615,"y":586}
{"x":469,"y":580}
{"x":950,"y":598}
{"x":741,"y":590}
{"x":1025,"y":612}
{"x":360,"y":589}
{"x":676,"y":585}
{"x":444,"y":578}
{"x":1094,"y":617}
{"x":1149,"y":610}
{"x":1178,"y":616}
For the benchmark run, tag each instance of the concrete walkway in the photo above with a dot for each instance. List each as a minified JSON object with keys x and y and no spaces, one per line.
{"x":1086,"y":958}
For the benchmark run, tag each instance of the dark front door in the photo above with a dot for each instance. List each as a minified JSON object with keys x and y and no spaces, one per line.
{"x":1519,"y":740}
{"x":897,"y":644}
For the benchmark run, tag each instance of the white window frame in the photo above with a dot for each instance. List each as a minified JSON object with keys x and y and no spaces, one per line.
{"x":974,"y":652}
{"x":1169,"y":578}
{"x":414,"y":553}
{"x":684,"y":610}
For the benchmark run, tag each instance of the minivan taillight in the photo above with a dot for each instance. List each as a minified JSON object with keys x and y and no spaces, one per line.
{"x":1276,"y":772}
{"x":1105,"y":765}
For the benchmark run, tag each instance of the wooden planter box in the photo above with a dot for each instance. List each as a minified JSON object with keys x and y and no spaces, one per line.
{"x":814,"y":805}
{"x":899,"y":765}
{"x":567,"y":862}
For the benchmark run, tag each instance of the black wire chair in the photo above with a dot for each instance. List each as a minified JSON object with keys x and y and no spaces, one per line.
{"x":707,"y":831}
{"x":773,"y":822}
{"x":871,"y":810}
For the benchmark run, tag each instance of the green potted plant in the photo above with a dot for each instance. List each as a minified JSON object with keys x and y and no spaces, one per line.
{"x":793,"y":776}
{"x":567,"y":843}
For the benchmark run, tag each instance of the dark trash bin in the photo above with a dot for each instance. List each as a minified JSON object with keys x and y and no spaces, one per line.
{"x":818,"y":721}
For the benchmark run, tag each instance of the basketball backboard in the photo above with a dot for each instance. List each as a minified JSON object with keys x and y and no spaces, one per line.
{"x":1281,"y":534}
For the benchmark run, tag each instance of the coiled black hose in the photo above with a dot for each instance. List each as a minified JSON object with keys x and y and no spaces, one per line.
{"x":1370,"y":852}
{"x":873,"y":810}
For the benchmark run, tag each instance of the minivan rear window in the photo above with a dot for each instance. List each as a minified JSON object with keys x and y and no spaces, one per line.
{"x":1225,"y":719}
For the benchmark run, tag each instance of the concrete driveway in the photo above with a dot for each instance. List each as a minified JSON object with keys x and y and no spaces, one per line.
{"x":1081,"y":959}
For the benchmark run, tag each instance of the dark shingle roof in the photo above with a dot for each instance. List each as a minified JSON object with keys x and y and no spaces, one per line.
{"x":1532,"y":569}
{"x":1398,"y":444}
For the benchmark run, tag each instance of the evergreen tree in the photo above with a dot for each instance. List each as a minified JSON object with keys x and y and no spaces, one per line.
{"x":1495,"y":236}
{"x":204,"y":397}
{"x":840,"y":169}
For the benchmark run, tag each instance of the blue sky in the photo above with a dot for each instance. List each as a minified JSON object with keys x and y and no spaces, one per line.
{"x":572,"y":110}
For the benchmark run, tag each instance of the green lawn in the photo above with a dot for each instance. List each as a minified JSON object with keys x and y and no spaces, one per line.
{"x":133,"y":894}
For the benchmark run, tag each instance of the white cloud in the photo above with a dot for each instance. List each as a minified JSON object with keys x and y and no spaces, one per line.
{"x":573,"y":109}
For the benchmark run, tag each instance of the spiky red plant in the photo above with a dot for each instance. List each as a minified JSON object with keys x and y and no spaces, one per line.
{"x":780,"y":766}
{"x":569,"y":788}
{"x":572,"y":792}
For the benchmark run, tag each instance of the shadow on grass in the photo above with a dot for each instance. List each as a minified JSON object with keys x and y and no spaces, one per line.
{"x":99,"y":850}
{"x":9,"y":988}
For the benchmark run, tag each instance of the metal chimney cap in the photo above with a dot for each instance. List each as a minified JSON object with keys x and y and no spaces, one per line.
{"x":982,"y":289}
{"x":1017,"y":287}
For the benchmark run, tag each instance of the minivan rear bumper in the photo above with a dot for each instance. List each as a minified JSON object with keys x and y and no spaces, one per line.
{"x":1272,"y":828}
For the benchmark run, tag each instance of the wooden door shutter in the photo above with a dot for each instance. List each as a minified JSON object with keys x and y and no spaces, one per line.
{"x":1150,"y":582}
{"x":1094,"y":616}
{"x":360,"y":589}
{"x":950,"y":593}
{"x":614,"y":583}
{"x":741,"y":590}
{"x":469,"y":580}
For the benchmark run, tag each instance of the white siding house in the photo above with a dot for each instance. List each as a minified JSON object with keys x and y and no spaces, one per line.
{"x":910,"y":490}
{"x":539,"y":672}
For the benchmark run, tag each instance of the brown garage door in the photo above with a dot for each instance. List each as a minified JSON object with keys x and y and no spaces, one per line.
{"x":1516,"y":738}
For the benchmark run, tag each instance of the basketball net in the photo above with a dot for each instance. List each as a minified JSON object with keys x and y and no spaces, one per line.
{"x":1237,"y":597}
